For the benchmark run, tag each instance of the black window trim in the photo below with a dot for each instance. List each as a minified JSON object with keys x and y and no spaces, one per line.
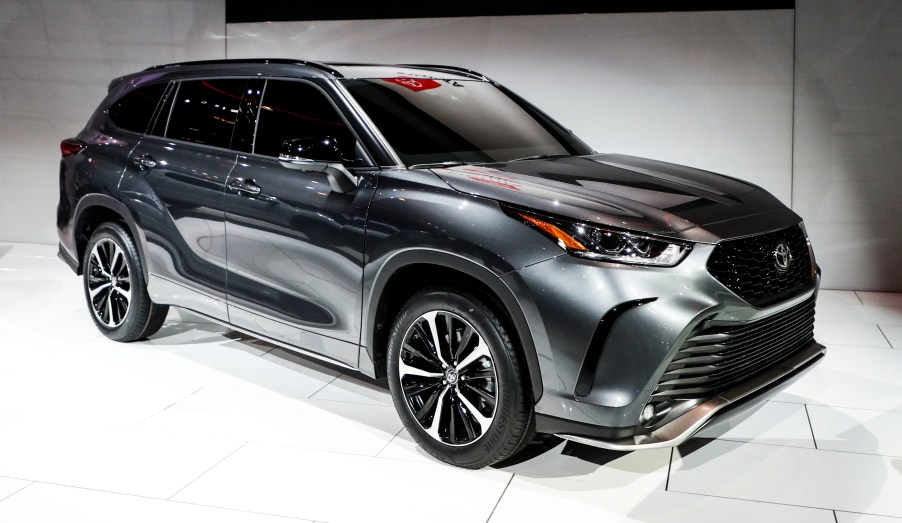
{"x":177,"y":82}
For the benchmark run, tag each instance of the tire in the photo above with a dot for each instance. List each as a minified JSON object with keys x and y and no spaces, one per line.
{"x":467,"y":404}
{"x":115,"y":289}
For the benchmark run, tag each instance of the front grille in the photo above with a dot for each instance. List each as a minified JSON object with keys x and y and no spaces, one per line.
{"x":718,"y":356}
{"x":749,"y":268}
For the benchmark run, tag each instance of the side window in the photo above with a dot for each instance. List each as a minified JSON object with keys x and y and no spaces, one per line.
{"x":299,"y":110}
{"x":205,"y":111}
{"x":133,"y":111}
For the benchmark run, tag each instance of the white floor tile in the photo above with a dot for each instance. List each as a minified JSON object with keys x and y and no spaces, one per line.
{"x":197,"y":391}
{"x":643,"y":468}
{"x":42,"y":503}
{"x":106,"y":458}
{"x":9,"y":486}
{"x":854,"y":377}
{"x":529,"y":500}
{"x":848,"y":517}
{"x":891,"y":299}
{"x":404,"y":448}
{"x":345,"y":488}
{"x":7,"y":416}
{"x":830,"y":311}
{"x":79,"y":387}
{"x":883,"y":314}
{"x":354,"y":389}
{"x":774,"y":424}
{"x":838,"y":296}
{"x":845,"y":333}
{"x":32,"y":249}
{"x":791,"y":476}
{"x":893,"y":333}
{"x":196,"y":355}
{"x":280,"y":420}
{"x":857,"y":430}
{"x":28,"y":302}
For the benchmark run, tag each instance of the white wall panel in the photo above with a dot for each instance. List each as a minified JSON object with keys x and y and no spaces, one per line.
{"x":848,"y":139}
{"x":56,"y":60}
{"x":707,"y":89}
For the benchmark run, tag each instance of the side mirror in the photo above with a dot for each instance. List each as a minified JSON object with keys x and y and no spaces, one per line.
{"x":314,"y":148}
{"x":318,"y":152}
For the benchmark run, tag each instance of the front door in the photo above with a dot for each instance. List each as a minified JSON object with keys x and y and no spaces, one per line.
{"x":295,"y":246}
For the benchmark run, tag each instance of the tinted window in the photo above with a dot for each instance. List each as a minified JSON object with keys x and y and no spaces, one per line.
{"x":205,"y":111}
{"x":298,"y":110}
{"x":428,"y":121}
{"x":134,"y":110}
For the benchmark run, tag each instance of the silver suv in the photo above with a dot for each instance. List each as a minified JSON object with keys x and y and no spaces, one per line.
{"x":426,"y":224}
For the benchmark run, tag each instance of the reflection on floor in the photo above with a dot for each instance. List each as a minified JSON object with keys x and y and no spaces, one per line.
{"x":202,"y":424}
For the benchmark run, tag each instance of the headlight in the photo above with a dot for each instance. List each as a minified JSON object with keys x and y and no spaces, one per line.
{"x":601,"y":243}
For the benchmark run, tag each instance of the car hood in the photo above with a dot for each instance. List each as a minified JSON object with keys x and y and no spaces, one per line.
{"x":628,"y":192}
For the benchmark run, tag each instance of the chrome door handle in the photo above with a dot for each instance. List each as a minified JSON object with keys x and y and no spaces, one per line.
{"x":246,"y":187}
{"x":146,"y":161}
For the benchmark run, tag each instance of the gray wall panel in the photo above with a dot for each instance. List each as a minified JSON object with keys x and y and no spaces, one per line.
{"x":848,"y":139}
{"x":56,"y":59}
{"x":708,"y":89}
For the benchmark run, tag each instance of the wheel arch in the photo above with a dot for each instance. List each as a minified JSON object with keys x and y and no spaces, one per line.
{"x":95,"y":209}
{"x":396,"y":281}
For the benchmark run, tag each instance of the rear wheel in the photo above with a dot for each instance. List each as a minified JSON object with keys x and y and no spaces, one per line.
{"x":115,"y":289}
{"x":456,"y":379}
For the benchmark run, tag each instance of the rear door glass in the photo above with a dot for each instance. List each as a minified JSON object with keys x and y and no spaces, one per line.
{"x":205,"y":111}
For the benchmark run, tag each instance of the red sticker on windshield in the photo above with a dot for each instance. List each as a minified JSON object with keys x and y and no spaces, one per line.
{"x":414,"y":84}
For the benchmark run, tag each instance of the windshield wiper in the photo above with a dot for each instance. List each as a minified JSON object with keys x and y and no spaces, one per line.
{"x":452,"y":163}
{"x":538,"y":157}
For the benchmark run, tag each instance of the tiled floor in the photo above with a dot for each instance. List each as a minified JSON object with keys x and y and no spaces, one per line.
{"x":202,"y":424}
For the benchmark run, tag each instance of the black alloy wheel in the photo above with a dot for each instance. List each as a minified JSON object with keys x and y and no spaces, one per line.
{"x":456,"y":379}
{"x":115,"y":289}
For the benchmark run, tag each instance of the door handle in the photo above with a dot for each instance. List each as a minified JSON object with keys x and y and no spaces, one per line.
{"x":245,"y":187}
{"x":145,"y":160}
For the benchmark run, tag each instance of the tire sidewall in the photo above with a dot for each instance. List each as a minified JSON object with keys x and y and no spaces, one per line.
{"x":494,"y":444}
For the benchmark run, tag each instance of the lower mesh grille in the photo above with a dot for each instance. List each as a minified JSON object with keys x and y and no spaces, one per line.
{"x":718,"y":356}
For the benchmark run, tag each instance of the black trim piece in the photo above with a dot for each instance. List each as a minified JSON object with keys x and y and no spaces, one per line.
{"x":547,"y":424}
{"x":246,"y":11}
{"x":68,"y":259}
{"x":593,"y":355}
{"x":251,"y":61}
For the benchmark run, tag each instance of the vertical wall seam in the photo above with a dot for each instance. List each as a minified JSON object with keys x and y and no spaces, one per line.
{"x":792,"y":125}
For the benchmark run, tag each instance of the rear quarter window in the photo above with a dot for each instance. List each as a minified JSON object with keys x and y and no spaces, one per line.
{"x":133,"y":111}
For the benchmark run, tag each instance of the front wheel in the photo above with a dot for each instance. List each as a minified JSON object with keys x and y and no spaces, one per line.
{"x":456,"y":379}
{"x":115,"y":288}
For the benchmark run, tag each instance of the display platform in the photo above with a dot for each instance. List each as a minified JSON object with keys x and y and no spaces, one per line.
{"x":200,"y":423}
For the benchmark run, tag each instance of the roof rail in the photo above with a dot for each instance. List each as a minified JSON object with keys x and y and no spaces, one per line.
{"x":451,"y":69}
{"x":283,"y":61}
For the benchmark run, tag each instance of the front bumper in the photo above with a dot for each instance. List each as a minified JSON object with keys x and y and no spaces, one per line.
{"x":730,"y":404}
{"x":567,"y":302}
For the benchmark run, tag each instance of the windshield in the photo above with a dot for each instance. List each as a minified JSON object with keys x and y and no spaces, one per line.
{"x":434,"y":121}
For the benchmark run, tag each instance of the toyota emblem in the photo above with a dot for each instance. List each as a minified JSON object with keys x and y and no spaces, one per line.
{"x":782,"y":257}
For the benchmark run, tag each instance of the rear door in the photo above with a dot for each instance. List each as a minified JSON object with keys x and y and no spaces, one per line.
{"x":185,"y":160}
{"x":295,"y":249}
